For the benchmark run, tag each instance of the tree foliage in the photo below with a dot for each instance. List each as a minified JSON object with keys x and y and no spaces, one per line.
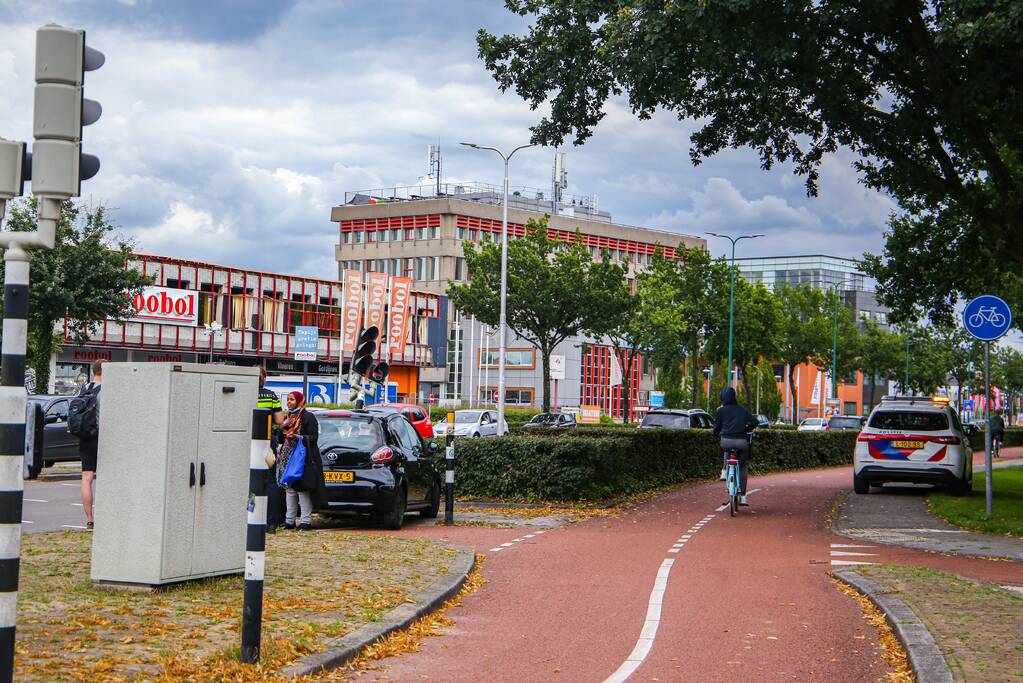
{"x":554,"y":292}
{"x":882,"y":358}
{"x":756,"y":330}
{"x":806,"y":329}
{"x":925,"y":94}
{"x":83,"y":278}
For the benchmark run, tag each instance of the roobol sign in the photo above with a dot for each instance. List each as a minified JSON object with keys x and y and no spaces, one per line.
{"x":164,"y":305}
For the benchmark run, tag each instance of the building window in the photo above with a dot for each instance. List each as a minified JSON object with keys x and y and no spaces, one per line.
{"x":882,"y":317}
{"x":359,"y":236}
{"x":385,"y":235}
{"x":396,"y":235}
{"x":409,"y":268}
{"x":435,"y":272}
{"x":371,"y":236}
{"x":435,"y":232}
{"x":514,"y":358}
{"x":396,"y":267}
{"x":460,"y":233}
{"x":410,"y":234}
{"x":459,"y":269}
{"x":422,"y":234}
{"x":473,"y":236}
{"x":512,"y":396}
{"x":346,"y":238}
{"x":382,"y":266}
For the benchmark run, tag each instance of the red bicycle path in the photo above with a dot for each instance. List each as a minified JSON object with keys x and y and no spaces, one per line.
{"x":748,"y":598}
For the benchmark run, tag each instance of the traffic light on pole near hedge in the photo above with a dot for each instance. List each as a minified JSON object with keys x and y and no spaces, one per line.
{"x":363,"y":364}
{"x":57,"y":163}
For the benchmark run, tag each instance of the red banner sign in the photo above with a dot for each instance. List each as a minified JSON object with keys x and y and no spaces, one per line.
{"x":398,"y":323}
{"x":351,"y":311}
{"x":375,"y":300}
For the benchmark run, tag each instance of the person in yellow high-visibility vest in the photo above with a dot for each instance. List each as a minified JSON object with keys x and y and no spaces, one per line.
{"x":268,"y":400}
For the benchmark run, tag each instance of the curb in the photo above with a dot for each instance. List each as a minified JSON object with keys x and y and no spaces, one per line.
{"x":925,"y":658}
{"x":342,"y":650}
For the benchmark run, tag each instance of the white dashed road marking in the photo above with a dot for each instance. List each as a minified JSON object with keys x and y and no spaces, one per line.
{"x":35,"y":500}
{"x":504,"y":546}
{"x":849,"y":551}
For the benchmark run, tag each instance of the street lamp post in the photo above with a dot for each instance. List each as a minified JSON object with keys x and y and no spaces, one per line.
{"x":731,"y":298}
{"x":834,"y":351}
{"x":502,"y":324}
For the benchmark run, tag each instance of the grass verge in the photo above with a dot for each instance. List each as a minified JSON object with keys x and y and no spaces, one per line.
{"x":320,"y":585}
{"x":976,"y":625}
{"x":969,"y":511}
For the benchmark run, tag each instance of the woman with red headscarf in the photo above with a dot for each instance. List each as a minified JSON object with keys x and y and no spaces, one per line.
{"x":305,"y":496}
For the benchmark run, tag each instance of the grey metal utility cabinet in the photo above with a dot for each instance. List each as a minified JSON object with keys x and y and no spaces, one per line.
{"x":173,"y":471}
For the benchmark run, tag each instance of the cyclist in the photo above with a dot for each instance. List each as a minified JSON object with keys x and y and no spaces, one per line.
{"x":997,"y":427}
{"x":732,"y":423}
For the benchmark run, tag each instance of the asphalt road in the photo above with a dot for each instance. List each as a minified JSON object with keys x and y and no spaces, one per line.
{"x":54,"y":501}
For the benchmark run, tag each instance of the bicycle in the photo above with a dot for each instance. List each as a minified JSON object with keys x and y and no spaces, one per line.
{"x":996,"y":447}
{"x":732,"y":481}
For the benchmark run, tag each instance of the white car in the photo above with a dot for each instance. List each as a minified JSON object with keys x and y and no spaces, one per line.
{"x":914,"y":439}
{"x":477,"y":423}
{"x":813,"y":424}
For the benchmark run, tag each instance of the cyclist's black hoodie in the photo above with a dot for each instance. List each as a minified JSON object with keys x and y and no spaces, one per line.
{"x":732,"y":420}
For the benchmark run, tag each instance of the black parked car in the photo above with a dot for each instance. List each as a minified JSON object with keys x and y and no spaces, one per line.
{"x":552,"y":421}
{"x":375,"y":463}
{"x":59,"y":445}
{"x":674,"y":418}
{"x":845,"y":423}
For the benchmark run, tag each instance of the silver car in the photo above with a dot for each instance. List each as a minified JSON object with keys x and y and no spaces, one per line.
{"x":476,"y":423}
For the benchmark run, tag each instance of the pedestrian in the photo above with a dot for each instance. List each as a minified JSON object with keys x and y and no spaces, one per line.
{"x":733,"y":424}
{"x":997,"y":427}
{"x":308,"y":494}
{"x":269,"y":400}
{"x":83,"y":422}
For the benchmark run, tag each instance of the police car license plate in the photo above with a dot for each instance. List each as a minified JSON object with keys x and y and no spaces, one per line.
{"x":339,"y":476}
{"x":908,"y":444}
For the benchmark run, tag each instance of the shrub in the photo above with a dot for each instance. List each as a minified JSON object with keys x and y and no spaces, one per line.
{"x":601,"y":462}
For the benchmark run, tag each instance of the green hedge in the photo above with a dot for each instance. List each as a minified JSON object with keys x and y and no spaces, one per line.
{"x":598,"y":463}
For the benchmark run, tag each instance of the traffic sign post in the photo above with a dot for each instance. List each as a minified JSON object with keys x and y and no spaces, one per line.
{"x":307,"y":343}
{"x":987,"y":318}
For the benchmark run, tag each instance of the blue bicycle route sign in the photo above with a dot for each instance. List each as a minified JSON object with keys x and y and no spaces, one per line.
{"x":987,"y":317}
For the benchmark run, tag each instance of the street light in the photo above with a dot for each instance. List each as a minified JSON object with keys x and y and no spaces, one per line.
{"x":502,"y":324}
{"x":731,"y":297}
{"x":212,"y":329}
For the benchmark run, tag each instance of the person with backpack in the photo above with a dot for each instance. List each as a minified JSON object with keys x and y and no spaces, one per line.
{"x":83,"y":422}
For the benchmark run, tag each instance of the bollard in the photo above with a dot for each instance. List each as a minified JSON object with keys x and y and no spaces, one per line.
{"x":12,"y":446}
{"x":449,"y":471}
{"x":255,"y":537}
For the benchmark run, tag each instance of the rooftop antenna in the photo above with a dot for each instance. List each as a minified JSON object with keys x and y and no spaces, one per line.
{"x":434,"y":165}
{"x":560,"y":181}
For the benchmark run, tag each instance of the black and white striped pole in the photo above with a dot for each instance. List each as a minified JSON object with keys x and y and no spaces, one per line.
{"x":12,"y":445}
{"x":449,"y":470}
{"x":255,"y":537}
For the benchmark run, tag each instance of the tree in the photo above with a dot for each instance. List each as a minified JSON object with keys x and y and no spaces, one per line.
{"x":552,"y":291}
{"x":756,"y":330}
{"x":882,"y":358}
{"x":965,"y":355}
{"x":686,"y":301}
{"x":760,"y":393}
{"x":929,"y":359}
{"x":626,"y":321}
{"x":805,"y":330}
{"x":1008,"y":368}
{"x":82,"y":278}
{"x":847,"y":334}
{"x":924,"y":93}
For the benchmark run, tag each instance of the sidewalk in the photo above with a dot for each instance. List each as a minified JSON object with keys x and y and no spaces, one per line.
{"x":900,"y":516}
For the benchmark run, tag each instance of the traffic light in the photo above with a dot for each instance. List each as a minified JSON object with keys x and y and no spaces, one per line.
{"x":379,"y":372}
{"x":12,"y":169}
{"x":362,"y":360}
{"x":58,"y":165}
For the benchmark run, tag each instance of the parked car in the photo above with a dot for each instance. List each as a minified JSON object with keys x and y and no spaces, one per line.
{"x":763,"y":421}
{"x":59,"y":445}
{"x":375,"y":462}
{"x":813,"y":424}
{"x":552,"y":421}
{"x":418,"y":416}
{"x":673,"y":418}
{"x":845,"y":423}
{"x":476,"y":423}
{"x":914,"y":439}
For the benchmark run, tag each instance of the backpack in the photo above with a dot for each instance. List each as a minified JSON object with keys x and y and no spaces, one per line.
{"x":83,"y":413}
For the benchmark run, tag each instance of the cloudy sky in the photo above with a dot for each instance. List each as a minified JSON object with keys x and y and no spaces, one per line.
{"x":231,"y":127}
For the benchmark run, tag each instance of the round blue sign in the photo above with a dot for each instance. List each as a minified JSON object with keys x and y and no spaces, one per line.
{"x":987,"y":317}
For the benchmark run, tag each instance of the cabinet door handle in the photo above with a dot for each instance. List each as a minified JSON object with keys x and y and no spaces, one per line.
{"x":202,"y":474}
{"x":191,"y":474}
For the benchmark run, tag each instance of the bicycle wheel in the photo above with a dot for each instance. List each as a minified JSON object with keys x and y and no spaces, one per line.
{"x":976,"y":320}
{"x":734,"y":507}
{"x":996,"y":319}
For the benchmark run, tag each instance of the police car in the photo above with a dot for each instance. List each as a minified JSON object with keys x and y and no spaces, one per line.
{"x":915,"y":439}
